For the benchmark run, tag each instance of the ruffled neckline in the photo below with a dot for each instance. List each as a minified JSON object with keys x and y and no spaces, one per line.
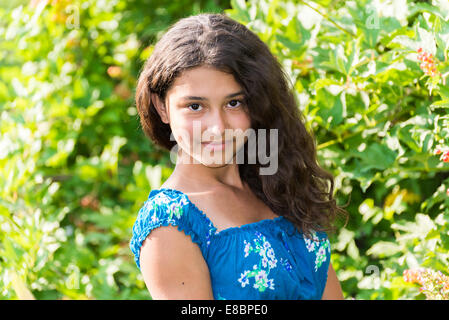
{"x":279,"y":221}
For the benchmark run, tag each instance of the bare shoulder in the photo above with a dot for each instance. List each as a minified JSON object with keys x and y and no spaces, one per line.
{"x":332,"y":291}
{"x":175,"y":182}
{"x":173,"y":266}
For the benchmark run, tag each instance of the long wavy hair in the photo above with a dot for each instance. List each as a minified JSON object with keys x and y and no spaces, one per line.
{"x":298,"y":190}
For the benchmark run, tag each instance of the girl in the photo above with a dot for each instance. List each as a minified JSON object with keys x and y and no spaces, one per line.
{"x":222,"y":229}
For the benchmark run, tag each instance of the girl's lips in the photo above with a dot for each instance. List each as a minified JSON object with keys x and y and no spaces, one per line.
{"x":216,"y":145}
{"x":216,"y":142}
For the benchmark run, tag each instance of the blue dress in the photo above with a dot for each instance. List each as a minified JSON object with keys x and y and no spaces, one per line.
{"x":268,"y":260}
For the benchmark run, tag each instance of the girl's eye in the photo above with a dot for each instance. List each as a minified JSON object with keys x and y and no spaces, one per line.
{"x":194,"y":105}
{"x":235,"y":103}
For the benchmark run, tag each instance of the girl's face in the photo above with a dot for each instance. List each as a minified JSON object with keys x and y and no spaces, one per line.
{"x":204,"y":105}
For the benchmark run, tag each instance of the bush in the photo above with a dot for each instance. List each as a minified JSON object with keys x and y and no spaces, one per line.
{"x":378,"y":108}
{"x":74,"y":163}
{"x":75,"y":166}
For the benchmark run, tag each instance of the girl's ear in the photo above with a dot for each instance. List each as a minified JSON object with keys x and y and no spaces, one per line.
{"x":160,"y":108}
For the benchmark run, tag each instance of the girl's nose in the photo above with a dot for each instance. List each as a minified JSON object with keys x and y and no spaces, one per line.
{"x":216,"y":125}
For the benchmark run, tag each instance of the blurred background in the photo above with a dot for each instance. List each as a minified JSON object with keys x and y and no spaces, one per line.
{"x":370,"y":76}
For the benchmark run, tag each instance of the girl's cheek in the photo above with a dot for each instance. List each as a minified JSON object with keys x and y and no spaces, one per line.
{"x":183,"y":133}
{"x":242,"y":120}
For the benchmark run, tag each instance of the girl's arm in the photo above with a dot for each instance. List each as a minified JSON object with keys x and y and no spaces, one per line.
{"x":173,"y":266}
{"x":332,"y":291}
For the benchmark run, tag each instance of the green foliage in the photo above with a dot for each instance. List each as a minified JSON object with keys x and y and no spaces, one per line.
{"x":378,"y":120}
{"x":75,"y":166}
{"x":74,"y":163}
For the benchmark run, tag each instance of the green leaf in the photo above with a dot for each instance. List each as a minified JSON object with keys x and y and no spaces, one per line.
{"x":444,"y":92}
{"x":376,"y":156}
{"x":239,"y":11}
{"x":382,"y":249}
{"x":425,"y":7}
{"x":439,"y":104}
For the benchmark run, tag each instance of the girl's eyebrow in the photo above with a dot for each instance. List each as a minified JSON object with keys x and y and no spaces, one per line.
{"x":205,"y":99}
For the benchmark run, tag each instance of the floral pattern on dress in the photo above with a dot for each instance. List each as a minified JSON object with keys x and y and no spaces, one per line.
{"x":319,"y":246}
{"x":172,"y":209}
{"x":210,"y":233}
{"x":255,"y":276}
{"x":260,"y":271}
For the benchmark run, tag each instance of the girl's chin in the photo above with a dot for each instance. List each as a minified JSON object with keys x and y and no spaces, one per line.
{"x":211,"y":157}
{"x":214,"y":158}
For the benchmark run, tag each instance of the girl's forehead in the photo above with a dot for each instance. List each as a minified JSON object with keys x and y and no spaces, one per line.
{"x":204,"y":81}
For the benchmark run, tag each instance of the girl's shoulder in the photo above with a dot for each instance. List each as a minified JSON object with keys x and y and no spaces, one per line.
{"x":165,"y":207}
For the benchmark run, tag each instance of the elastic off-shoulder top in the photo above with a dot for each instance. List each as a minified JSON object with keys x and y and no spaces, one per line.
{"x":265,"y":260}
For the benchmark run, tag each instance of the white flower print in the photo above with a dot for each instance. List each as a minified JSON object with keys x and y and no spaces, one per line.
{"x":244,"y":278}
{"x":154,"y":218}
{"x":247,"y":248}
{"x":270,"y":254}
{"x":261,"y":275}
{"x":310,"y":245}
{"x":272,"y":263}
{"x":261,"y":280}
{"x":267,"y":262}
{"x":319,"y":247}
{"x":321,"y":251}
{"x":264,"y":262}
{"x":271,"y":284}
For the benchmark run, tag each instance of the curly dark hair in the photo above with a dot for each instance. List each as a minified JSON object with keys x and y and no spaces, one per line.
{"x":298,"y":190}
